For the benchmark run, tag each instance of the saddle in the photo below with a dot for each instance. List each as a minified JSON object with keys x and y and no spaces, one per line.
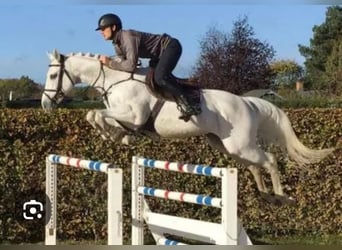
{"x":190,"y":86}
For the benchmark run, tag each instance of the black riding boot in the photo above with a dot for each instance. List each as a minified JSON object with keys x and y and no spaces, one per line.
{"x":183,"y":103}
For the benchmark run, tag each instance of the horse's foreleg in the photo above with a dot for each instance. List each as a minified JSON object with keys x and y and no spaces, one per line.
{"x":96,"y":120}
{"x":109,"y":129}
{"x":90,"y":117}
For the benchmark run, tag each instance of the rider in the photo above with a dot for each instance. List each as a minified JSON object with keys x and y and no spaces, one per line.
{"x":162,"y":49}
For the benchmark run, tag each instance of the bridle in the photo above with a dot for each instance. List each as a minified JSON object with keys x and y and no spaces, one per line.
{"x":59,"y":93}
{"x":59,"y":90}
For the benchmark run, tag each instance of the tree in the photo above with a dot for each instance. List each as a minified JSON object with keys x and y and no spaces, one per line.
{"x":333,"y":71}
{"x":85,"y":93}
{"x":286,"y":72}
{"x":319,"y":56}
{"x":235,"y":62}
{"x":21,"y":88}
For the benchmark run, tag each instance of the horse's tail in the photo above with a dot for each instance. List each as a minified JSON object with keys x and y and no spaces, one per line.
{"x":276,"y":127}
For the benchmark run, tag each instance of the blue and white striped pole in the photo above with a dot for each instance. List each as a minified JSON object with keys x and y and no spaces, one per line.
{"x":183,"y":168}
{"x":79,"y":163}
{"x":181,"y":196}
{"x":167,"y":242}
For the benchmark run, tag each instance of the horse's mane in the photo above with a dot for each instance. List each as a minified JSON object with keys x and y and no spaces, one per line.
{"x":139,"y":70}
{"x":88,"y":55}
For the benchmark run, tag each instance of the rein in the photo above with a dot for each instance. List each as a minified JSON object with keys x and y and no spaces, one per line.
{"x":149,"y":125}
{"x":106,"y":91}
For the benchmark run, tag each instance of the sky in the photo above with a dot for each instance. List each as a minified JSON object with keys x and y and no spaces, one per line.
{"x":30,"y":29}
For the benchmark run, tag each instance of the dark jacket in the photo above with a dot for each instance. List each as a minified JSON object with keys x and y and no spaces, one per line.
{"x":131,"y":45}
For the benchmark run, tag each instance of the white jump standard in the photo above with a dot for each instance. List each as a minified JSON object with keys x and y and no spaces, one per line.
{"x":228,"y":232}
{"x":114,"y":199}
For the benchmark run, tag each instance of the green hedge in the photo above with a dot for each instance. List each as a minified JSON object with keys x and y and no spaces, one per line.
{"x":28,"y":136}
{"x":67,"y":103}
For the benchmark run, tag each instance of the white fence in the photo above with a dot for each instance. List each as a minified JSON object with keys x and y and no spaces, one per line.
{"x":228,"y":232}
{"x":114,"y":199}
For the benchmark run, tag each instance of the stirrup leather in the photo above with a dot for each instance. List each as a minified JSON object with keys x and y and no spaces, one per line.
{"x":186,"y":110}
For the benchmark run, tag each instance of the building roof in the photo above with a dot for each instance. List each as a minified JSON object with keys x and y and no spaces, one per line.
{"x":261,"y":93}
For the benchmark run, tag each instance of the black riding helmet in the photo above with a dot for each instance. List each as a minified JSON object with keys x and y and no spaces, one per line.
{"x":109,"y":20}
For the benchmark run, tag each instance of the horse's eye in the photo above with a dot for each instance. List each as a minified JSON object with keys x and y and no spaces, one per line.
{"x":53,"y":76}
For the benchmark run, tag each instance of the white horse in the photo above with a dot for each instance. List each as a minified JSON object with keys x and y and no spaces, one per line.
{"x":232,"y":124}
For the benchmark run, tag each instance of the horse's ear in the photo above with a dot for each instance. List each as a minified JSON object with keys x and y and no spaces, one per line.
{"x":54,"y":55}
{"x":49,"y":55}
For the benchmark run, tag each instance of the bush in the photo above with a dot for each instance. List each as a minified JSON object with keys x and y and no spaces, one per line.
{"x":28,"y":136}
{"x":307,"y":99}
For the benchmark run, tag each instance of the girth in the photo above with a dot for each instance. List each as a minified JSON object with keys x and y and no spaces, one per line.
{"x":148,"y":127}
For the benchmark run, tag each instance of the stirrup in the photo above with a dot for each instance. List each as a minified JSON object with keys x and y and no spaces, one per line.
{"x":192,"y":110}
{"x":185,"y":117}
{"x":186,"y":114}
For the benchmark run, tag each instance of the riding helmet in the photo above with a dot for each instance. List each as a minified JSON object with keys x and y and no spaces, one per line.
{"x":109,"y":20}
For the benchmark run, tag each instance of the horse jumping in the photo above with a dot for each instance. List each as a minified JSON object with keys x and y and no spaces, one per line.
{"x":232,"y":124}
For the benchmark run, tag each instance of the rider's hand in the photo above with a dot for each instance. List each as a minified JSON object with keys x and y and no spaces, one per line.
{"x":105,"y":60}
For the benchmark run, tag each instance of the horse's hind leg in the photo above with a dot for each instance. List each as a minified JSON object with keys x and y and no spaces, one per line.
{"x":252,"y":156}
{"x":215,"y":142}
{"x":256,"y":172}
{"x":272,"y":167}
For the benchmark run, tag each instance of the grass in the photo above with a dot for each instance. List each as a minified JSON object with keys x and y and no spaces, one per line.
{"x":319,"y":240}
{"x":302,"y":240}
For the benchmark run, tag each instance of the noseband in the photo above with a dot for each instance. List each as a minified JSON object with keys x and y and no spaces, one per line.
{"x":59,"y":90}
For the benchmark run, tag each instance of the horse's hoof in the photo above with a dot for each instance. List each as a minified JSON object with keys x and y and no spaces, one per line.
{"x":127,"y":140}
{"x":291,"y":201}
{"x":267,"y":197}
{"x":284,"y":200}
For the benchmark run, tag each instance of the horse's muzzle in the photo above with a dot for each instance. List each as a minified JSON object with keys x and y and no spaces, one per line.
{"x":47,"y":105}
